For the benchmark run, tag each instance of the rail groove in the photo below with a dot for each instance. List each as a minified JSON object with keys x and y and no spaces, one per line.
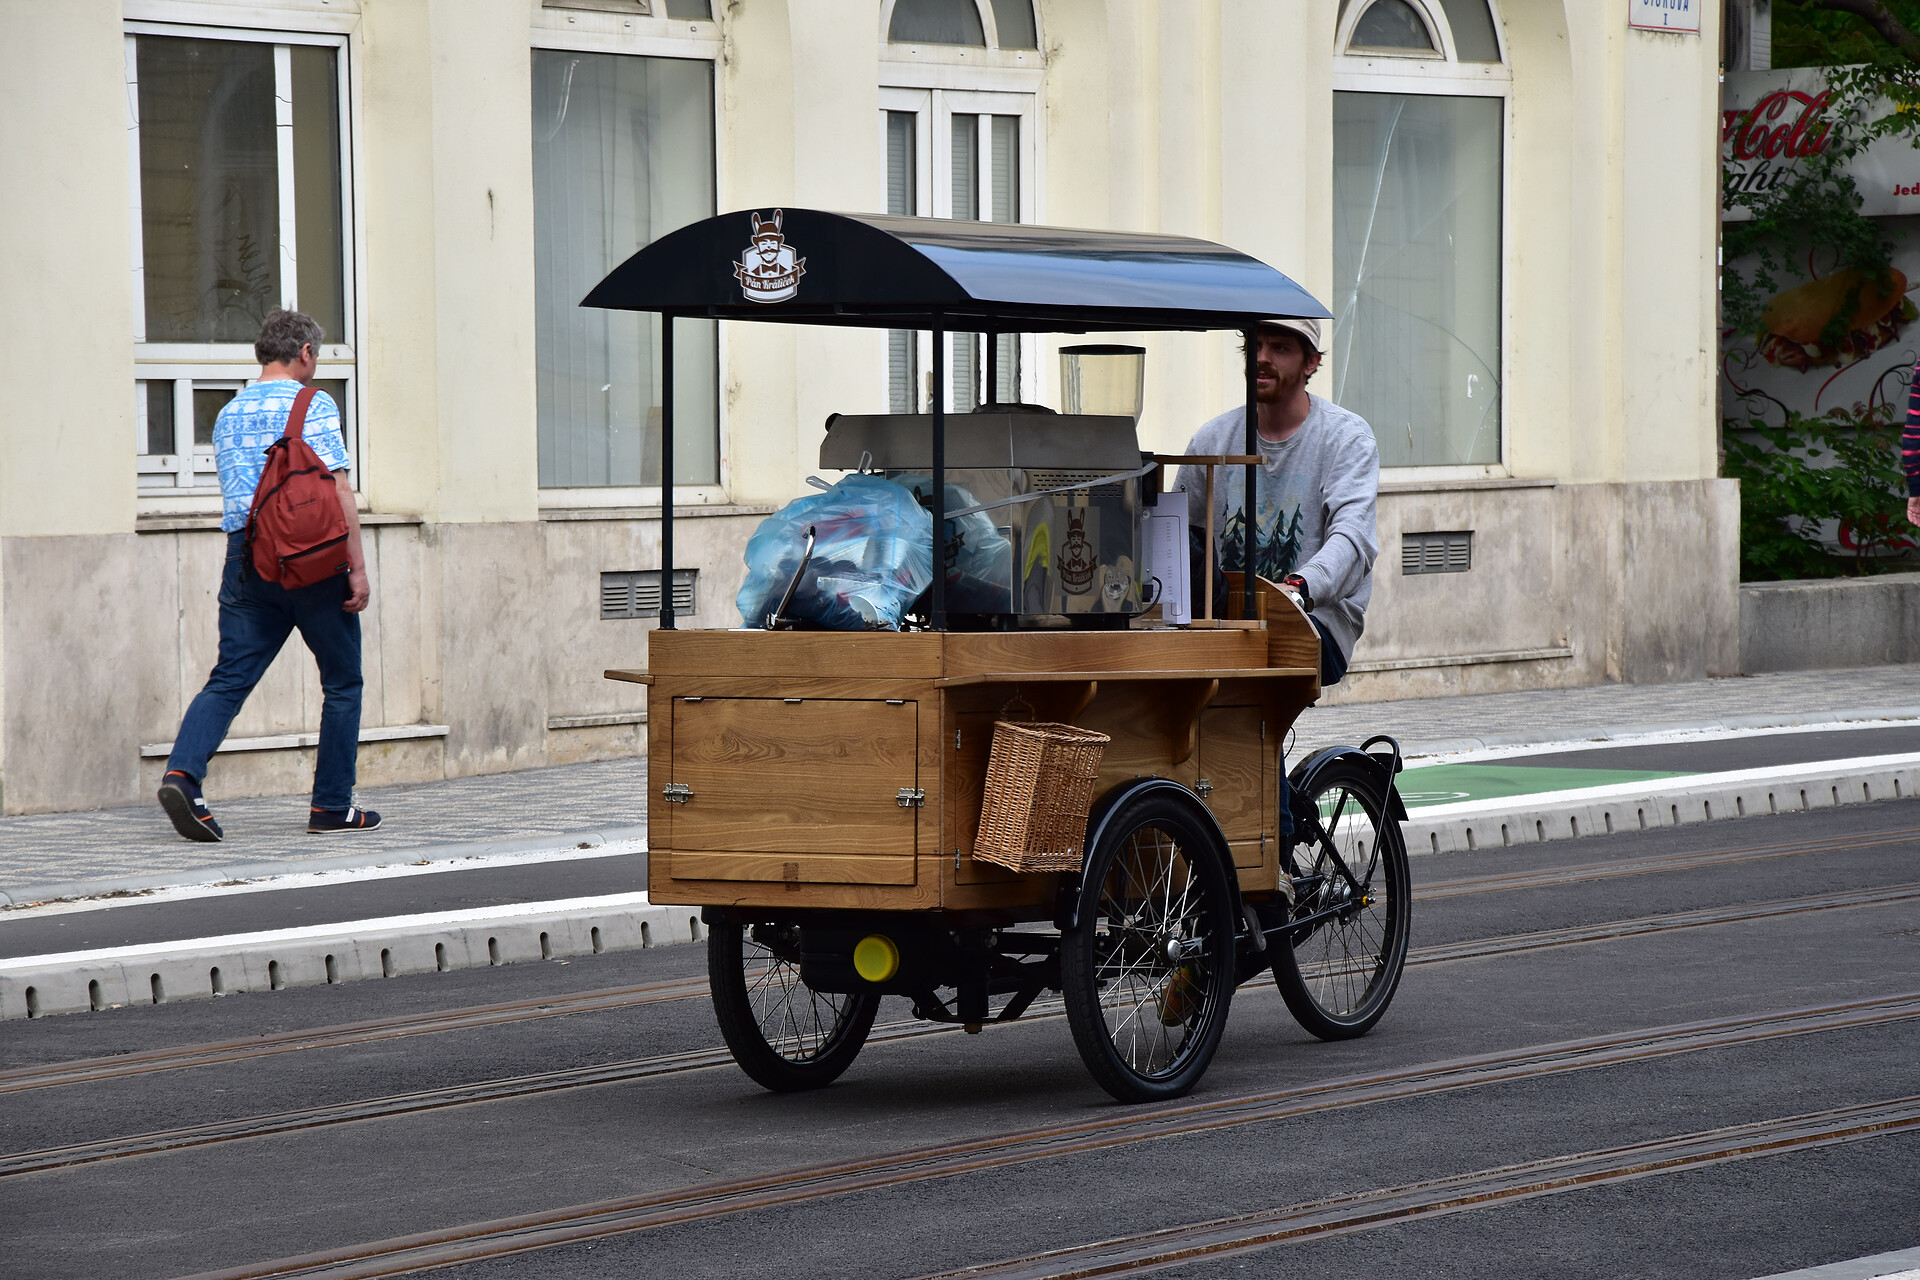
{"x":1389,"y":1206}
{"x":511,"y":1087}
{"x":86,"y":1070}
{"x":688,"y":989}
{"x":527,"y":1232}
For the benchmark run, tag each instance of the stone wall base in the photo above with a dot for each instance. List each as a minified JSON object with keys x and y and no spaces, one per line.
{"x":1813,"y":624}
{"x":495,"y":630}
{"x":1571,"y":584}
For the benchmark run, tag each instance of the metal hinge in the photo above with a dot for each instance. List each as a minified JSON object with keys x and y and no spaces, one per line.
{"x":910,"y":797}
{"x":1203,"y":788}
{"x":676,"y":793}
{"x":896,"y":702}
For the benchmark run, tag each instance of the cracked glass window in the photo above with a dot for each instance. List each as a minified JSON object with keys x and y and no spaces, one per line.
{"x":622,"y":155}
{"x":1416,"y":255}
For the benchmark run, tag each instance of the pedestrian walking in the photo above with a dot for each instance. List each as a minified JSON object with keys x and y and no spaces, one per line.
{"x":257,"y":615}
{"x":1910,"y":449}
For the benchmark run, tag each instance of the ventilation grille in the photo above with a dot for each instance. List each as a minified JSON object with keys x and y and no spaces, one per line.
{"x":1436,"y":552}
{"x":637,"y":594}
{"x":1042,"y":480}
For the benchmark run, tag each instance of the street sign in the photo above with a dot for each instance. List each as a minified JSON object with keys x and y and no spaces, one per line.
{"x":1665,"y":15}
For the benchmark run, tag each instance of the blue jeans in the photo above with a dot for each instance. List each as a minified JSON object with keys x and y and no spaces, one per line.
{"x":256,"y":617}
{"x":1333,"y":669}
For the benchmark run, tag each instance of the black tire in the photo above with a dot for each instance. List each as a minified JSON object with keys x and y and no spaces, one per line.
{"x":783,"y":1033}
{"x":1339,"y":976}
{"x":1145,"y":1023}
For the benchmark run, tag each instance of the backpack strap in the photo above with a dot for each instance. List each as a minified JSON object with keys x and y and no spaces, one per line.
{"x":297,"y":418}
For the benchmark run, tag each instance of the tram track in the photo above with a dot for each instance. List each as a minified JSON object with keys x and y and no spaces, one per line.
{"x":83,"y":1071}
{"x":1508,"y":1184}
{"x":87,"y":1070}
{"x":706,"y":1201}
{"x":629,"y":1070}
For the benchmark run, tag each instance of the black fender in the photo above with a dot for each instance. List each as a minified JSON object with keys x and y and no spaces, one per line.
{"x":1066,"y":914}
{"x":1302,"y":775}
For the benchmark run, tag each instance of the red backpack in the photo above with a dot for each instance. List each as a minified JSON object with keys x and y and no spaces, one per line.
{"x":296,"y":531}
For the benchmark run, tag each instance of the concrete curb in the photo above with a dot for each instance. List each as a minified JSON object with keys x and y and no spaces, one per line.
{"x":1881,"y":1266}
{"x":1609,"y":733}
{"x":1567,"y":815}
{"x":315,"y":955}
{"x":478,"y":850}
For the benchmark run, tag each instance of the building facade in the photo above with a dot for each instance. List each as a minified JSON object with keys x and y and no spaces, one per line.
{"x":1511,"y":207}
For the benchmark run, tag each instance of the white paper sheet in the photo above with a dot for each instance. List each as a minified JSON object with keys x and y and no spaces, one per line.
{"x":1164,"y":542}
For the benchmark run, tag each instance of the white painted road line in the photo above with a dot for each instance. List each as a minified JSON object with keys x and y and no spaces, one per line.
{"x":312,"y":955}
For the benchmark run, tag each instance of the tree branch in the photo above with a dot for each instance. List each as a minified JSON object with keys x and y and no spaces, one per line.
{"x":1876,"y":15}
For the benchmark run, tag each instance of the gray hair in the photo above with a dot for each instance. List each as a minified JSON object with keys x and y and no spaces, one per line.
{"x":283,"y":334}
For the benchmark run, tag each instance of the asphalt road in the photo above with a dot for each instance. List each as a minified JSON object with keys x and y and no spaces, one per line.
{"x":269,"y":1197}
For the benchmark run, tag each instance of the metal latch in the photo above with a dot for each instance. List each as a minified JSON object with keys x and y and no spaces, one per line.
{"x":1203,"y":788}
{"x":910,"y":797}
{"x":676,"y":793}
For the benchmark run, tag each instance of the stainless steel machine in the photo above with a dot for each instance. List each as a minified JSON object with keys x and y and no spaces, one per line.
{"x":1043,"y":508}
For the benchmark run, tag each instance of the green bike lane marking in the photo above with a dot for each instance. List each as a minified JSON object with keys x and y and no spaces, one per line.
{"x":1453,"y":783}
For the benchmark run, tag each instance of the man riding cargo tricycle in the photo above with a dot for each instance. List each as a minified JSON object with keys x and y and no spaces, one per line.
{"x":982,"y":736}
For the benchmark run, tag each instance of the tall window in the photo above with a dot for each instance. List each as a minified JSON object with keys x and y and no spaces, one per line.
{"x":241,"y":206}
{"x":1419,"y":119}
{"x":967,"y":154}
{"x":623,"y":153}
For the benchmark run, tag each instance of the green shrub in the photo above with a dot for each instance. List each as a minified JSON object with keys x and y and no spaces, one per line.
{"x":1843,"y":466}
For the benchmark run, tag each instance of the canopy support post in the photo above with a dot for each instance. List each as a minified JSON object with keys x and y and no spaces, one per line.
{"x":939,"y":508}
{"x":991,"y":392}
{"x":1250,"y":506}
{"x":666,"y":471}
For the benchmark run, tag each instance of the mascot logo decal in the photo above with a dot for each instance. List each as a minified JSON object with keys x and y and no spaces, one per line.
{"x":767,"y":270}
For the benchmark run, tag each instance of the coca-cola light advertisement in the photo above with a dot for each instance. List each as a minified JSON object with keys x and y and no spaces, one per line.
{"x":1795,"y":357}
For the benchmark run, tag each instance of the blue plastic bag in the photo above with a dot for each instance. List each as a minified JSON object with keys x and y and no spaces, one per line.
{"x":872,"y":557}
{"x":979,"y":556}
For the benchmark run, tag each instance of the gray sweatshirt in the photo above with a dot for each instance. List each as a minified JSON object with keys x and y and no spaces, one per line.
{"x":1317,"y":493}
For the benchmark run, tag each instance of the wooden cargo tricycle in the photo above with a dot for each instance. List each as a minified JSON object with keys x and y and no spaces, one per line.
{"x":820,"y":794}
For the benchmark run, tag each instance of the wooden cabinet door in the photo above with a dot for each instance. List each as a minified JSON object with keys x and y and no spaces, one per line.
{"x":1237,"y":765}
{"x":804,"y":790}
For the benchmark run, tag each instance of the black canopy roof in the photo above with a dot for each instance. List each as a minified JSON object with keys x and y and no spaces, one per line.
{"x":805,"y":266}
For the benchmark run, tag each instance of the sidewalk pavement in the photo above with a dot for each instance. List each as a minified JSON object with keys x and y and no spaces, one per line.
{"x":561,"y":807}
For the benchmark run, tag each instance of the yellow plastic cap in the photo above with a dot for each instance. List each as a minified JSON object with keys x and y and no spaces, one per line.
{"x":875,"y":958}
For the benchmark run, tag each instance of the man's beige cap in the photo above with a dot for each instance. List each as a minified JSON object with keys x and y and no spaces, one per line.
{"x":1308,"y":330}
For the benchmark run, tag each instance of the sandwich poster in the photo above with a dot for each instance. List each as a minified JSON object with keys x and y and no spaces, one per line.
{"x":1828,"y":336}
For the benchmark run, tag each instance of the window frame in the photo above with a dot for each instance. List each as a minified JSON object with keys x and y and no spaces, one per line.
{"x":221,"y":365}
{"x":934,"y":95}
{"x":972,"y":55}
{"x":629,"y":35}
{"x":1425,"y":75}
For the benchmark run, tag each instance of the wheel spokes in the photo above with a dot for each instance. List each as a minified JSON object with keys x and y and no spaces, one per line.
{"x":1152,"y":1003}
{"x":1343,"y":958}
{"x":797,"y":1022}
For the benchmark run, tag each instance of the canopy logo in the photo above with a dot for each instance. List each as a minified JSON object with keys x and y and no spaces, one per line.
{"x":767,"y":270}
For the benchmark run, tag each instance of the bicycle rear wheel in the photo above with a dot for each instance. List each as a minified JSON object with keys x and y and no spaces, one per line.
{"x":1349,"y":868}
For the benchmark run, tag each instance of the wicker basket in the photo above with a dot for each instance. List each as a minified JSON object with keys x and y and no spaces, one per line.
{"x":1039,"y":788}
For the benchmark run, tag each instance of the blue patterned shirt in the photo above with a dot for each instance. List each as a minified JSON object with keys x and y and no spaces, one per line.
{"x":250,"y":423}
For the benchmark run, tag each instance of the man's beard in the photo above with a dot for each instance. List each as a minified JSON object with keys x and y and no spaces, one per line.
{"x":1282,"y":389}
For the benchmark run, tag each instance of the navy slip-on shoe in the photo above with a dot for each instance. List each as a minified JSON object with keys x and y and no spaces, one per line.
{"x":328,"y":821}
{"x":187,"y":809}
